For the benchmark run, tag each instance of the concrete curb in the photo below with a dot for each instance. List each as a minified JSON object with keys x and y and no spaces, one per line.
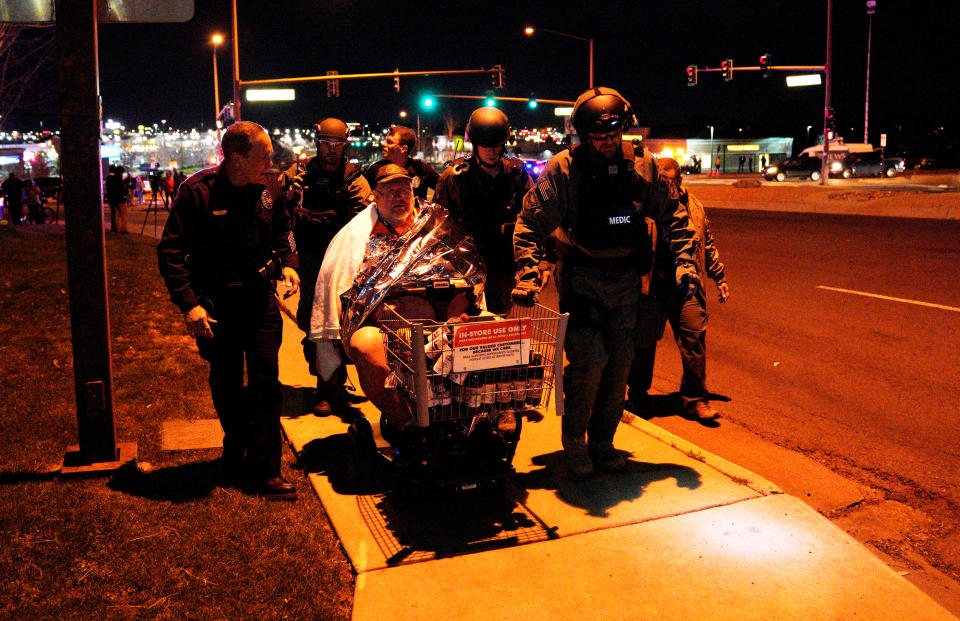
{"x":729,"y":469}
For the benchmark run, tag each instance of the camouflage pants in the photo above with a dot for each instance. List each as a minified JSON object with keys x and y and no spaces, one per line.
{"x":599,"y":347}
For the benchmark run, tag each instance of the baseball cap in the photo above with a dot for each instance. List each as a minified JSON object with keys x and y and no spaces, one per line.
{"x":390,"y":172}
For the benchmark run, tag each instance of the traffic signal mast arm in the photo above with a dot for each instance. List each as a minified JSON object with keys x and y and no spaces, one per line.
{"x":559,"y":102}
{"x":352,"y":76}
{"x":771,"y":68}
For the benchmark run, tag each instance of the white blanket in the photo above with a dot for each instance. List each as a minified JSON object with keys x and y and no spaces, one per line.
{"x":340,"y":264}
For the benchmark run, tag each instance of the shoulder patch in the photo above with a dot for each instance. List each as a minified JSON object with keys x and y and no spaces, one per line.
{"x":545,"y":190}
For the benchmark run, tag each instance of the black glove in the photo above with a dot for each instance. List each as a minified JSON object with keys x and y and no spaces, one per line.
{"x":690,"y":285}
{"x":319,"y":218}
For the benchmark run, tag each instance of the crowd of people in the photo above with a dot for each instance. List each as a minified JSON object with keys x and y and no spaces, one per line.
{"x":19,"y":193}
{"x":630,"y":248}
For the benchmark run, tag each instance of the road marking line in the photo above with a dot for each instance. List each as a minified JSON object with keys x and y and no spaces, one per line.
{"x":887,"y":297}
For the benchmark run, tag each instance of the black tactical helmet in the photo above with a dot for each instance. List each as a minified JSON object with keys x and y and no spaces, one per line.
{"x":331,"y":129}
{"x":488,"y":127}
{"x":601,"y":109}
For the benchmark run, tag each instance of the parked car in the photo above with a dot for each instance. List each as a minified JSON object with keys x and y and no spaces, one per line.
{"x":803,"y":167}
{"x":871,"y":164}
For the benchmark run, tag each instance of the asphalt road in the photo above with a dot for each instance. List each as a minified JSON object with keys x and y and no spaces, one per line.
{"x":872,"y":382}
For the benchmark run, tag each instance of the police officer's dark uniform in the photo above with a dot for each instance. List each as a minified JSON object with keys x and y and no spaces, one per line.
{"x":487,"y":204}
{"x":595,"y":208}
{"x":221,"y":248}
{"x":330,"y":199}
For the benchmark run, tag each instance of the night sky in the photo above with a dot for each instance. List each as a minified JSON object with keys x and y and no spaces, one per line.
{"x":151,"y":72}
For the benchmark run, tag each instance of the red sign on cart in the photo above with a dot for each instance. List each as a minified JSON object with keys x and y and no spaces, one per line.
{"x":491,"y":345}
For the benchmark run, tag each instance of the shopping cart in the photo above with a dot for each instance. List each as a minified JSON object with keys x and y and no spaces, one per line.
{"x":469,"y":384}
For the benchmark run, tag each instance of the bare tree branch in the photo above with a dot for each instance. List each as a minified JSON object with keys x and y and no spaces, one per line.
{"x":24,"y":50}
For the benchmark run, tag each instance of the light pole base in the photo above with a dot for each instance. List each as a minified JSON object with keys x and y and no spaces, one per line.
{"x":73,"y":463}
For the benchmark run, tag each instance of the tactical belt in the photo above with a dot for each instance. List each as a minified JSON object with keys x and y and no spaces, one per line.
{"x":578,"y":258}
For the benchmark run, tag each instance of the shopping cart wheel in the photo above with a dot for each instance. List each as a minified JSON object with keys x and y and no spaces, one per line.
{"x":361,"y":432}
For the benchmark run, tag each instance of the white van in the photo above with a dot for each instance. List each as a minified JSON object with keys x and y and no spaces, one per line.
{"x":838,"y":149}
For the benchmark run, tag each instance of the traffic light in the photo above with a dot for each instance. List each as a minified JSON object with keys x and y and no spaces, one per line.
{"x":427,"y":102}
{"x":496,"y":76}
{"x":532,"y":103}
{"x":490,"y":101}
{"x":333,"y":86}
{"x":691,"y":75}
{"x":396,"y":81}
{"x":829,"y":122}
{"x":727,"y":67}
{"x":765,"y":65}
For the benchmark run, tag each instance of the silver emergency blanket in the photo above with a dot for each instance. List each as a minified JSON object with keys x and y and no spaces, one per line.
{"x":435,"y":247}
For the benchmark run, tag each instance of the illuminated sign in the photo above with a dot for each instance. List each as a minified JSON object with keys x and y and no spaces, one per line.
{"x":270,"y":94}
{"x":811,"y":79}
{"x":743,"y":147}
{"x":9,"y":160}
{"x":109,"y":150}
{"x":565,"y":111}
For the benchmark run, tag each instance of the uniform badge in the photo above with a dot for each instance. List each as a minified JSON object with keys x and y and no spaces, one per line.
{"x":265,"y":207}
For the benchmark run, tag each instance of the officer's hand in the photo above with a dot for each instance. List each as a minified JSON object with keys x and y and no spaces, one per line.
{"x":295,"y":190}
{"x":199,"y":322}
{"x":689,"y":285}
{"x":543,"y":273}
{"x":723,"y":290}
{"x":525,"y":295}
{"x":325,"y":217}
{"x":292,"y":280}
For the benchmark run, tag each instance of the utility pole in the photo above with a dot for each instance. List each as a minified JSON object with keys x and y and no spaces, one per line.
{"x":827,"y":113}
{"x":871,"y":8}
{"x":236,"y":63}
{"x":78,"y":73}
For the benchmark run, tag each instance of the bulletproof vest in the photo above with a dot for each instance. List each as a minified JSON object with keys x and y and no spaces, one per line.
{"x":607,"y":217}
{"x":329,"y":190}
{"x":485,"y":206}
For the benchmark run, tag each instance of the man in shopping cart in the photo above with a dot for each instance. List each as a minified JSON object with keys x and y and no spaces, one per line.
{"x":394,"y":243}
{"x":593,"y":200}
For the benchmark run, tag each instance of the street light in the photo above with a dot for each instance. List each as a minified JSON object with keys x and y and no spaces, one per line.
{"x":530,"y":31}
{"x":871,"y":8}
{"x":216,"y":40}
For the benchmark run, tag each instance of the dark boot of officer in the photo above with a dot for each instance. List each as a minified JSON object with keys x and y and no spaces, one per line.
{"x":332,"y":396}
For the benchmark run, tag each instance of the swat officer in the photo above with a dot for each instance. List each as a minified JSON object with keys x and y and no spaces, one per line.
{"x":326,"y":195}
{"x":485,"y":194}
{"x":399,"y":145}
{"x":688,"y":317}
{"x":223,"y":245}
{"x":593,"y":199}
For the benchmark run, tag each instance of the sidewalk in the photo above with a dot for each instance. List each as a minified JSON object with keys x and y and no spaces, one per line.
{"x":682,"y":535}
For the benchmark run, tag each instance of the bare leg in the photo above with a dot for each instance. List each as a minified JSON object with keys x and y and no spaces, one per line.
{"x":368,"y":354}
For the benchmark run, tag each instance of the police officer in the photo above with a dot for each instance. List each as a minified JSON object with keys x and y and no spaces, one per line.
{"x":485,"y":194}
{"x":333,"y":190}
{"x":398,"y":148}
{"x":593,"y":199}
{"x":688,"y":317}
{"x":224,"y":243}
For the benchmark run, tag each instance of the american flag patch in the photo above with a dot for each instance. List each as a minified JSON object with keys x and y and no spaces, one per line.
{"x":544,"y":190}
